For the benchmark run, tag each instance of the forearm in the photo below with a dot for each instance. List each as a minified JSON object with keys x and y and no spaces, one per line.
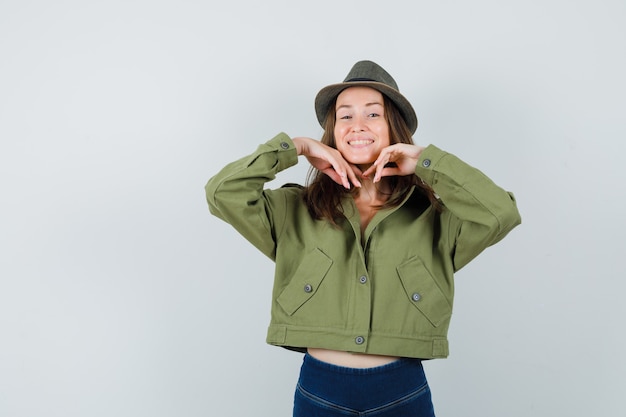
{"x":483,"y":213}
{"x":236,"y":193}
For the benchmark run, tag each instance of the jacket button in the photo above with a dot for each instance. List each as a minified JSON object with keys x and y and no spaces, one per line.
{"x":363,"y":279}
{"x":308,"y":288}
{"x":359,"y":340}
{"x":426,"y":163}
{"x":284,"y":145}
{"x":416,"y":296}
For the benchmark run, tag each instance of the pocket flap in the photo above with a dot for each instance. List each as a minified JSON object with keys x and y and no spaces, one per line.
{"x":423,"y":292}
{"x":305,"y":282}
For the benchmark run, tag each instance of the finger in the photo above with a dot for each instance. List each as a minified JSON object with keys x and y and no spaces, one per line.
{"x":335,"y":170}
{"x":345,"y":173}
{"x":357,"y":171}
{"x":380,"y":166}
{"x":344,"y":180}
{"x":335,"y":176}
{"x":368,"y":171}
{"x":353,"y":174}
{"x":372,"y":167}
{"x":390,"y":172}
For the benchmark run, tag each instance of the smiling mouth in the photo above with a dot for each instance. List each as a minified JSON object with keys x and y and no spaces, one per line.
{"x":360,"y":142}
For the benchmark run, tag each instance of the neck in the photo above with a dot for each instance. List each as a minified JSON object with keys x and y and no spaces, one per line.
{"x":372,"y":194}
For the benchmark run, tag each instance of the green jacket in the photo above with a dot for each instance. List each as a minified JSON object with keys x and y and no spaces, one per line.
{"x":388,"y":292}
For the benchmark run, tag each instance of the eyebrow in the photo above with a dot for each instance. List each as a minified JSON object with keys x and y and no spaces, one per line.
{"x":373,"y":103}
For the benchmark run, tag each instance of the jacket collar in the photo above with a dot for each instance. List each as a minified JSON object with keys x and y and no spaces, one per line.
{"x":352,"y":215}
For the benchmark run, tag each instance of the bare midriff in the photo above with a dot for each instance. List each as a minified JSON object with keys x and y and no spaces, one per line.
{"x":349,"y":359}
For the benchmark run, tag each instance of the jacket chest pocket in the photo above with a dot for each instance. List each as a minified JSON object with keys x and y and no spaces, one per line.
{"x":423,"y":292}
{"x":305,"y":282}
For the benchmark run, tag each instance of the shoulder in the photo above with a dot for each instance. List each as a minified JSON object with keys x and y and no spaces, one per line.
{"x":289,"y":193}
{"x":293,"y":186}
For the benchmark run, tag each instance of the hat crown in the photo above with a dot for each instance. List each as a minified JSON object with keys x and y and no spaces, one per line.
{"x":370,"y":71}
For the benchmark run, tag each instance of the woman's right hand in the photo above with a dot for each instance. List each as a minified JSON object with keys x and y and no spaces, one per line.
{"x":327,"y":160}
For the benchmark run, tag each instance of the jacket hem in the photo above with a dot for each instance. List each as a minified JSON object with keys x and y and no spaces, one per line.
{"x":300,"y":338}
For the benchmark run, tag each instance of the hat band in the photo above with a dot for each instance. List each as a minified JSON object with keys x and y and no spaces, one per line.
{"x":358,"y":79}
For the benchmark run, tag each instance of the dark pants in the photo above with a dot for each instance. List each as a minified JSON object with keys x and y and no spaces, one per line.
{"x":396,"y":389}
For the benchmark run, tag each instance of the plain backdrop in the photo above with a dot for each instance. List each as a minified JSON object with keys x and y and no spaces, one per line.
{"x":121,"y":296}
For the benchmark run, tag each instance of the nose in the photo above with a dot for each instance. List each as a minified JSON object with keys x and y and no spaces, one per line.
{"x":358,"y":124}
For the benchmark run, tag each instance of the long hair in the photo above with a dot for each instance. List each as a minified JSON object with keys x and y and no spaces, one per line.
{"x":323,"y":196}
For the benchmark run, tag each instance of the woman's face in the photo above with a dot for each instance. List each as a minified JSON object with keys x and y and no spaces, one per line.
{"x":361,"y":129}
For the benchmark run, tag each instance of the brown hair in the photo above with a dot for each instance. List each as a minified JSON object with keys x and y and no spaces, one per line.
{"x":323,"y":196}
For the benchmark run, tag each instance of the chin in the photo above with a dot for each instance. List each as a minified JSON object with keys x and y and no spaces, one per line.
{"x":360,"y":159}
{"x":361,"y":162}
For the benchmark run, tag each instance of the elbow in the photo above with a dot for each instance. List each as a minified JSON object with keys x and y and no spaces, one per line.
{"x":513,"y":217}
{"x":509,"y":217}
{"x":211,"y":190}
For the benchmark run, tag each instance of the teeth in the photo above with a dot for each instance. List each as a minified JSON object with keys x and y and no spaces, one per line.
{"x":360,"y":142}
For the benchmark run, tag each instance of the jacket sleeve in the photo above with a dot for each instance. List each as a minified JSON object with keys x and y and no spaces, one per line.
{"x":477,"y":212}
{"x":236,"y":194}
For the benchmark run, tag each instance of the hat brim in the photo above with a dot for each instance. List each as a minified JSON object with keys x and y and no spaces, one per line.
{"x":327,"y":94}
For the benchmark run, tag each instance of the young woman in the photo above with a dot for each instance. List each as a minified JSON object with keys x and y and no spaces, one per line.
{"x":365,"y":254}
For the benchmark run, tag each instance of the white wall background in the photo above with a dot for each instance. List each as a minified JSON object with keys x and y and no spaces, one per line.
{"x":121,"y":296}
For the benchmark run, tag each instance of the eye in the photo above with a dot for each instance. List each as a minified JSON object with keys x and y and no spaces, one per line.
{"x":373,"y":115}
{"x":345,"y":117}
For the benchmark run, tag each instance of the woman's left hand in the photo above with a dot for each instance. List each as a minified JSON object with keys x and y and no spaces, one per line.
{"x":403,"y":155}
